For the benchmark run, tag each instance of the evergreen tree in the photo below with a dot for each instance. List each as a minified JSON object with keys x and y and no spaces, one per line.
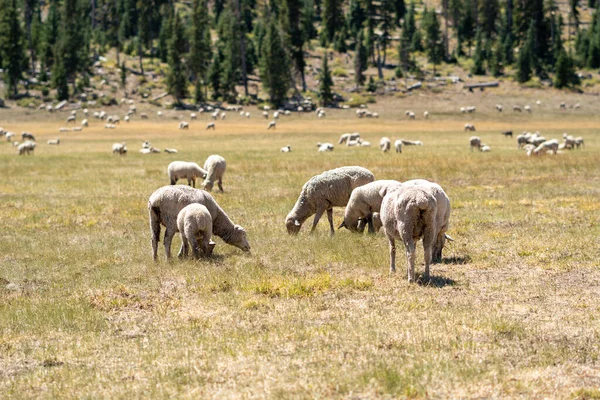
{"x":176,"y":78}
{"x":325,"y":83}
{"x":59,"y":78}
{"x":467,"y":25}
{"x":356,"y":17}
{"x":489,"y":10}
{"x":372,"y":86}
{"x":360,"y":60}
{"x":71,"y":43}
{"x":333,"y":19}
{"x":434,"y":45}
{"x":200,"y":52}
{"x":295,"y":37}
{"x":123,"y":75}
{"x":274,"y":70}
{"x":229,"y":40}
{"x":417,"y":41}
{"x":214,"y":73}
{"x":479,"y":56}
{"x":524,"y":61}
{"x":565,"y":74}
{"x":495,"y":61}
{"x":410,"y":26}
{"x":574,"y":12}
{"x":399,"y":10}
{"x":51,"y":27}
{"x":11,"y":46}
{"x":307,"y":18}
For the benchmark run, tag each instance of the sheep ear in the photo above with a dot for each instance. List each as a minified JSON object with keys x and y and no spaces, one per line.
{"x":296,"y":222}
{"x":343,"y":225}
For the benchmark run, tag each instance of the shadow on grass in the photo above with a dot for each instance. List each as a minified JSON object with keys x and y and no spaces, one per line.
{"x":436,"y":281}
{"x":456,"y":260}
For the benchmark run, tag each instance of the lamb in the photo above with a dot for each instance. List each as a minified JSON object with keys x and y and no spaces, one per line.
{"x":144,"y":116}
{"x":171,"y":151}
{"x":323,"y":192}
{"x":470,"y":127}
{"x":411,"y":142}
{"x":385,"y":144}
{"x":9,"y":136}
{"x":409,"y":213}
{"x":499,"y":107}
{"x":485,"y":148}
{"x":398,"y":146}
{"x":210,"y":125}
{"x":325,"y":147}
{"x":150,"y":150}
{"x":71,"y":118}
{"x":194,"y":222}
{"x":126,"y":118}
{"x":119,"y":148}
{"x":193,"y":116}
{"x":84,"y":122}
{"x":527,"y":108}
{"x":507,"y":133}
{"x":54,"y":141}
{"x":517,"y":108}
{"x":569,"y":141}
{"x":26,"y":148}
{"x":579,"y":142}
{"x":27,"y":136}
{"x":364,"y":201}
{"x":265,"y":114}
{"x":185,"y":170}
{"x":426,"y":114}
{"x":165,"y":204}
{"x":522,"y":140}
{"x":475,"y":141}
{"x":548,"y":145}
{"x":184,"y":125}
{"x":286,"y":149}
{"x":272,"y":124}
{"x":348,"y":136}
{"x":215,"y":166}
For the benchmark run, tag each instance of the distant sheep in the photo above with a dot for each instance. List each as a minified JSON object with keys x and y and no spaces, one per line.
{"x":54,"y":141}
{"x":144,"y":116}
{"x":210,"y":125}
{"x":27,"y":136}
{"x":470,"y":127}
{"x":185,"y":170}
{"x":471,"y":109}
{"x":475,"y":142}
{"x":485,"y":148}
{"x":548,"y":145}
{"x":411,"y":142}
{"x":71,"y":118}
{"x":194,"y":222}
{"x":323,"y":192}
{"x":272,"y":124}
{"x":26,"y":148}
{"x":286,"y":149}
{"x":507,"y":133}
{"x":398,"y":146}
{"x":193,"y":116}
{"x":84,"y":122}
{"x":499,"y":107}
{"x":119,"y":148}
{"x":348,"y":136}
{"x":214,"y":166}
{"x":322,"y":147}
{"x":426,"y":114}
{"x":517,"y":109}
{"x":171,"y":151}
{"x":184,"y":125}
{"x":385,"y":144}
{"x":527,"y":108}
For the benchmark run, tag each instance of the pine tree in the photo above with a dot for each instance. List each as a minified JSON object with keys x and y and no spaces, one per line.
{"x":372,"y":86}
{"x":123,"y":76}
{"x":399,"y":10}
{"x":333,"y":19}
{"x":360,"y":60}
{"x":307,"y":17}
{"x":176,"y":79}
{"x":274,"y":67}
{"x":479,"y":56}
{"x":59,"y":78}
{"x":325,"y":83}
{"x":495,"y":61}
{"x":50,"y":35}
{"x":467,"y":25}
{"x":200,"y":51}
{"x":434,"y":45}
{"x":489,"y":10}
{"x":524,"y":67}
{"x":214,"y":73}
{"x":356,"y":17}
{"x":295,"y":37}
{"x":11,"y":45}
{"x":229,"y":40}
{"x":71,"y":43}
{"x":574,"y":12}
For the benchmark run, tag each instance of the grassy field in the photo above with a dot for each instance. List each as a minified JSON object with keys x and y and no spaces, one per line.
{"x":512,"y":312}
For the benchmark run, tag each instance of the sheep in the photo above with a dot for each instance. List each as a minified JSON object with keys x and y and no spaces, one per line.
{"x":286,"y":149}
{"x":364,"y":143}
{"x":185,"y":170}
{"x":71,"y":118}
{"x":507,"y":133}
{"x":569,"y":141}
{"x":411,"y":115}
{"x":171,"y":151}
{"x":27,"y":136}
{"x":265,"y":114}
{"x":548,"y":145}
{"x":276,"y":115}
{"x":562,"y":106}
{"x":215,"y":166}
{"x":475,"y":141}
{"x":63,"y":129}
{"x":184,"y":125}
{"x":9,"y":136}
{"x":576,"y":106}
{"x":146,"y":145}
{"x":363,"y":202}
{"x":223,"y":115}
{"x":119,"y":148}
{"x":485,"y":148}
{"x":193,"y":116}
{"x":247,"y":114}
{"x":522,"y":140}
{"x":165,"y":204}
{"x":54,"y":141}
{"x":517,"y":108}
{"x":321,"y":114}
{"x":426,"y":115}
{"x":348,"y":136}
{"x":194,"y":222}
{"x":150,"y":150}
{"x":159,"y":114}
{"x":527,"y":108}
{"x":85,"y":112}
{"x":110,"y":126}
{"x":409,"y":213}
{"x":463,"y":110}
{"x":84,"y":122}
{"x":351,"y":143}
{"x":536,"y":140}
{"x":114,"y":119}
{"x":398,"y":146}
{"x":385,"y":144}
{"x":322,"y":147}
{"x":286,"y":112}
{"x":210,"y":125}
{"x":470,"y":127}
{"x":102,"y":115}
{"x":272,"y":124}
{"x":323,"y":192}
{"x":471,"y":109}
{"x":144,"y":116}
{"x":499,"y":107}
{"x":26,"y":148}
{"x":126,"y":118}
{"x":579,"y":142}
{"x":411,"y":142}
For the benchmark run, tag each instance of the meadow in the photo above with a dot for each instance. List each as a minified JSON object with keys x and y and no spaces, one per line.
{"x":511,"y":312}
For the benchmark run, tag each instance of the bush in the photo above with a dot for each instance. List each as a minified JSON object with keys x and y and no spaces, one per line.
{"x":356,"y":100}
{"x":340,"y":72}
{"x":45,"y":92}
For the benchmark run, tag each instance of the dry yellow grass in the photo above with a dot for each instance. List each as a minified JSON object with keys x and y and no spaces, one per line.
{"x":512,"y":311}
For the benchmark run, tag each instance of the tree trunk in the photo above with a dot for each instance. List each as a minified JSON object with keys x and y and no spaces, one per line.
{"x":141,"y":55}
{"x":379,"y":71}
{"x":303,"y":80}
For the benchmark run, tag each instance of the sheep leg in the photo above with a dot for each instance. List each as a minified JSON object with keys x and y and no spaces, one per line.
{"x":318,"y":214}
{"x":206,"y":245}
{"x":168,"y":239}
{"x":155,"y":227}
{"x":410,"y":256}
{"x":371,"y":229}
{"x":220,"y":183}
{"x":330,"y":218}
{"x":195,"y":246}
{"x":184,"y":250}
{"x":392,"y":254}
{"x":361,"y":225}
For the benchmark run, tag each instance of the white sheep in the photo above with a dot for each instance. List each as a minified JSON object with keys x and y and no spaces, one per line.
{"x":323,"y":192}
{"x":517,"y":108}
{"x":385,"y":144}
{"x":272,"y":124}
{"x":71,"y":118}
{"x":548,"y":145}
{"x":210,"y":125}
{"x":165,"y":204}
{"x":9,"y":136}
{"x":569,"y":141}
{"x":562,"y":106}
{"x":409,"y":213}
{"x":223,"y":115}
{"x":475,"y":142}
{"x":276,"y":115}
{"x":170,"y":151}
{"x":27,"y":136}
{"x":471,"y":109}
{"x":485,"y":148}
{"x":579,"y":142}
{"x":411,"y":142}
{"x":348,"y":136}
{"x":286,"y":149}
{"x":398,"y":146}
{"x":194,"y":222}
{"x":426,"y":114}
{"x":159,"y":114}
{"x":576,"y":106}
{"x":119,"y":148}
{"x":247,"y":114}
{"x":184,"y":125}
{"x":84,"y":122}
{"x":470,"y":127}
{"x":76,"y":129}
{"x":185,"y":170}
{"x":193,"y":116}
{"x":351,"y":143}
{"x":214,"y":166}
{"x":110,"y":126}
{"x":527,"y":108}
{"x":54,"y":141}
{"x":63,"y":129}
{"x":126,"y":118}
{"x":151,"y":150}
{"x":499,"y":107}
{"x":364,"y":201}
{"x":463,"y":110}
{"x":26,"y":148}
{"x":364,"y":143}
{"x":323,"y":147}
{"x":85,"y":112}
{"x":411,"y":115}
{"x":265,"y":114}
{"x":144,"y":116}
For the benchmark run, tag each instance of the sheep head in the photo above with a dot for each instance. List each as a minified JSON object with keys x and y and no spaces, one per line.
{"x":293,"y":225}
{"x":239,"y":238}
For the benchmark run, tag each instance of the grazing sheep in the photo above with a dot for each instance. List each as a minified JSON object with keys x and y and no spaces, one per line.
{"x":54,"y":141}
{"x":77,"y":129}
{"x":276,"y":115}
{"x":475,"y":141}
{"x":323,"y":192}
{"x":576,"y":106}
{"x":71,"y":118}
{"x":27,"y":136}
{"x":562,"y":106}
{"x":223,"y":115}
{"x":527,"y":108}
{"x":151,"y":150}
{"x":579,"y":142}
{"x":398,"y":146}
{"x":363,"y":202}
{"x":471,"y":109}
{"x":119,"y":148}
{"x":522,"y":140}
{"x":9,"y":136}
{"x":325,"y":147}
{"x":247,"y":114}
{"x":63,"y":129}
{"x":348,"y":136}
{"x":171,"y":151}
{"x":517,"y":109}
{"x":215,"y":166}
{"x":409,"y":213}
{"x":286,"y":149}
{"x":102,"y":115}
{"x":84,"y":122}
{"x":165,"y":204}
{"x":507,"y":133}
{"x":272,"y":124}
{"x":184,"y":125}
{"x":265,"y":114}
{"x":193,"y":116}
{"x":364,"y":143}
{"x":410,"y":116}
{"x":569,"y":141}
{"x":426,"y":114}
{"x":351,"y":143}
{"x":411,"y":142}
{"x":470,"y":127}
{"x":536,"y":140}
{"x":185,"y":170}
{"x":144,"y":116}
{"x":110,"y":126}
{"x":485,"y":148}
{"x":548,"y":145}
{"x":463,"y":110}
{"x":210,"y":125}
{"x":385,"y":144}
{"x":26,"y":148}
{"x":159,"y":114}
{"x":499,"y":107}
{"x":194,"y":222}
{"x":126,"y":118}
{"x":85,"y":112}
